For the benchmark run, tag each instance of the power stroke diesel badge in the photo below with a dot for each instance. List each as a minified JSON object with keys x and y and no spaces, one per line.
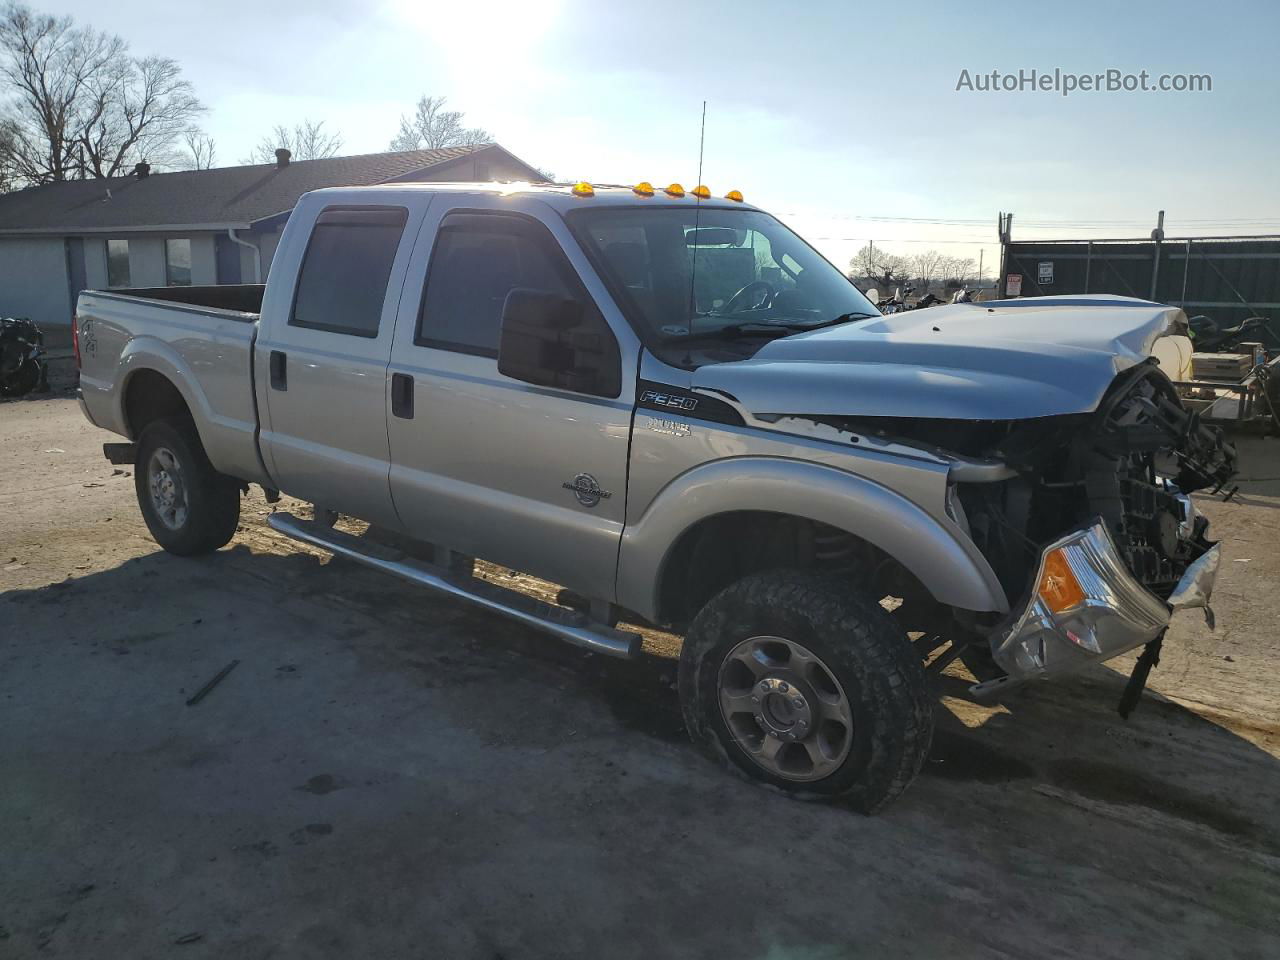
{"x":586,"y":489}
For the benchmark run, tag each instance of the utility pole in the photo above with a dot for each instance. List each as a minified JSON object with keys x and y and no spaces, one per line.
{"x":981,"y":251}
{"x":1004,"y":228}
{"x":1157,"y":235}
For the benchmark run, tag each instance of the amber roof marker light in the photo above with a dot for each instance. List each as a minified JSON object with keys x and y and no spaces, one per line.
{"x":643,"y":189}
{"x":674,"y":190}
{"x":734,"y":195}
{"x":701,"y":191}
{"x":583,"y":189}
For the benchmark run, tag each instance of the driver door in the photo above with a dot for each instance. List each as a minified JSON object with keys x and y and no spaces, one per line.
{"x":531,"y":477}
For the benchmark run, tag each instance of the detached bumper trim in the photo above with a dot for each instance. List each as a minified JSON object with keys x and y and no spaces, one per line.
{"x":1116,"y":615}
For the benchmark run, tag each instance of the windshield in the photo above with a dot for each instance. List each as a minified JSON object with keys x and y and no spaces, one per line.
{"x":685,"y":275}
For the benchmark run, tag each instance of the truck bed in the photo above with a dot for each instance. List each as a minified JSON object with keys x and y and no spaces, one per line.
{"x":199,"y":339}
{"x":239,"y":297}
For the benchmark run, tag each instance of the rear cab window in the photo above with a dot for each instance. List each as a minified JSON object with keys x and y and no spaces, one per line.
{"x":343,"y":280}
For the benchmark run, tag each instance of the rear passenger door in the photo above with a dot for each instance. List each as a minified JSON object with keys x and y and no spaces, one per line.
{"x":326,"y":350}
{"x":528,"y":476}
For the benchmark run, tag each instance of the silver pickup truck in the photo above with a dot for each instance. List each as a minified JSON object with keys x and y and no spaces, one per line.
{"x":676,"y":409}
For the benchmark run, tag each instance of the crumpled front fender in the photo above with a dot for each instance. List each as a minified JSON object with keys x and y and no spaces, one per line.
{"x":938,"y":554}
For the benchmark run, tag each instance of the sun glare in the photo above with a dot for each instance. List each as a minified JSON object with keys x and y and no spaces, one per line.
{"x":506,"y":27}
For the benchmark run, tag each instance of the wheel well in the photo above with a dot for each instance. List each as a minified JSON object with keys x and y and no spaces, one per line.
{"x":722,"y":549}
{"x":151,"y":396}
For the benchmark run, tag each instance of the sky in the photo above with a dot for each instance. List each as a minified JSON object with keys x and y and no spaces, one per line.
{"x":844,"y":119}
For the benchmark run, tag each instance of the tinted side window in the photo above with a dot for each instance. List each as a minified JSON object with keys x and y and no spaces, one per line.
{"x":474,"y":266}
{"x":343,"y":280}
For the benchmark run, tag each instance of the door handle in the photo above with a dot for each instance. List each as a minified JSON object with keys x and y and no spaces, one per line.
{"x":402,"y":396}
{"x":279,"y":374}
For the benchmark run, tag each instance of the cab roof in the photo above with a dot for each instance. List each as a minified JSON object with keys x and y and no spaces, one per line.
{"x":559,"y":196}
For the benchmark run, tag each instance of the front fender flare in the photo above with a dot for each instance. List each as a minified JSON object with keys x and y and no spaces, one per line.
{"x":937,"y":552}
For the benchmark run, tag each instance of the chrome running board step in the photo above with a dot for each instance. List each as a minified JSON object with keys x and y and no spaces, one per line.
{"x":564,"y":623}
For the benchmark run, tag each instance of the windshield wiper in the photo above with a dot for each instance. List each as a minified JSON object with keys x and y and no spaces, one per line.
{"x":844,"y":318}
{"x":782,"y":328}
{"x":752,"y":328}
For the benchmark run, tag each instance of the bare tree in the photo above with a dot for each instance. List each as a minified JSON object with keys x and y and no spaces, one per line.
{"x":863,"y":263}
{"x":432,"y":127}
{"x":201,"y":149}
{"x":926,"y":266}
{"x":80,"y":106}
{"x":876,"y":265}
{"x":139,"y":108}
{"x":956,"y":271}
{"x":964,"y":269}
{"x":6,"y":156}
{"x":306,"y":141}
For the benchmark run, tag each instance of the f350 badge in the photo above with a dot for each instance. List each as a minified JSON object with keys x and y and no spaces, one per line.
{"x":671,"y":401}
{"x":587,"y":490}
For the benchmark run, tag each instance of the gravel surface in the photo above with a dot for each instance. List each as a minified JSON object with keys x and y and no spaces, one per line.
{"x":387,"y":774}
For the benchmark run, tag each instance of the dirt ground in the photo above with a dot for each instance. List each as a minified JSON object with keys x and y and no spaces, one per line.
{"x":387,"y":774}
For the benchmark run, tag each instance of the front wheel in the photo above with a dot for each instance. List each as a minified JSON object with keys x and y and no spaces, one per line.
{"x":189,"y":507}
{"x":797,"y":680}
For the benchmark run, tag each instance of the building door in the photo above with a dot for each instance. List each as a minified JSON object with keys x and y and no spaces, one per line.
{"x":76,"y":276}
{"x":226,"y":256}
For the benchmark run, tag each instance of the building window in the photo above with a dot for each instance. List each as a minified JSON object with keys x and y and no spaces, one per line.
{"x":118,"y":263}
{"x":343,"y":281}
{"x":177,"y":263}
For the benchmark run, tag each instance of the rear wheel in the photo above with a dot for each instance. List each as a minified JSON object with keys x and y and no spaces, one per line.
{"x":188,"y":506}
{"x":797,"y":680}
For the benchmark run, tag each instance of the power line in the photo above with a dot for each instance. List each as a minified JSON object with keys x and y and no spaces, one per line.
{"x":892,"y":240}
{"x":1058,"y":224}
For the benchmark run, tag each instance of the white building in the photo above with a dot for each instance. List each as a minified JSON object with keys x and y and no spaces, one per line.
{"x":194,"y":227}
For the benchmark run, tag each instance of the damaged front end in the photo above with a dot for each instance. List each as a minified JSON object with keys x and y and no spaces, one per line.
{"x":1085,"y":518}
{"x":1096,"y":534}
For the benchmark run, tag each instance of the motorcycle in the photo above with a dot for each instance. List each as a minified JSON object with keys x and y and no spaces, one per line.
{"x":1208,"y":337}
{"x":22,"y":357}
{"x":895,"y":303}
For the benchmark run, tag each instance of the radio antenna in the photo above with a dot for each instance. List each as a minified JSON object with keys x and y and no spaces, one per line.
{"x":697,"y":218}
{"x":702,"y":141}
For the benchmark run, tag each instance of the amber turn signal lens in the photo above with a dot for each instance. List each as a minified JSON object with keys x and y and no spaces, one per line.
{"x":644,"y":188}
{"x":701,"y":192}
{"x":1059,"y":588}
{"x":583,"y":189}
{"x":675,"y":190}
{"x":734,"y":195}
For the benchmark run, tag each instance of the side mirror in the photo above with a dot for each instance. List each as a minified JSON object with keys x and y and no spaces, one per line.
{"x":554,"y":341}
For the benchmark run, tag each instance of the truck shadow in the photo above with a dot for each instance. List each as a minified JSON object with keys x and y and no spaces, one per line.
{"x":1064,"y":737}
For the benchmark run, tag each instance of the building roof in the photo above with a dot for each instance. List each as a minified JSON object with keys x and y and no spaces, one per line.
{"x":221,"y":197}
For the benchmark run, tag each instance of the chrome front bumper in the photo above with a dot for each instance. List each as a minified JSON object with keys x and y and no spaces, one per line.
{"x":1116,"y":615}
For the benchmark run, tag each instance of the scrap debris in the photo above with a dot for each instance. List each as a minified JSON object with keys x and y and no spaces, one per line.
{"x":217,"y":679}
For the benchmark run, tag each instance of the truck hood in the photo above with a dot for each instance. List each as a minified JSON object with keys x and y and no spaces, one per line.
{"x":1001,"y":360}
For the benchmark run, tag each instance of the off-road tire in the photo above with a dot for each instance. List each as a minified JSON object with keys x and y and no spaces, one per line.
{"x":861,"y":646}
{"x":213,"y":498}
